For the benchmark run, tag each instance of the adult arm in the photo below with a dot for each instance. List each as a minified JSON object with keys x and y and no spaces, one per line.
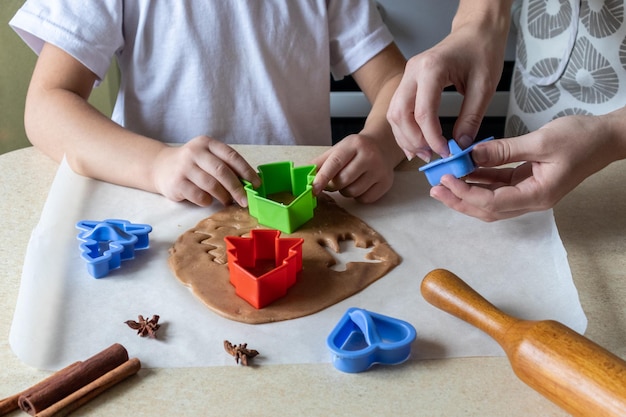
{"x":470,"y":58}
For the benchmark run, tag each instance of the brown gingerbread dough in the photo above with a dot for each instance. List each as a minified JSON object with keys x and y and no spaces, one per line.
{"x":198,"y":259}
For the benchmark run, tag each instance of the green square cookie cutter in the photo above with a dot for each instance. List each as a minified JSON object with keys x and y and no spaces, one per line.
{"x":280,"y":179}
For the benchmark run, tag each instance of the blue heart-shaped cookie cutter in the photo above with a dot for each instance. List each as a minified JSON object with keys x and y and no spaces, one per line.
{"x":459,"y":163}
{"x":363,"y":338}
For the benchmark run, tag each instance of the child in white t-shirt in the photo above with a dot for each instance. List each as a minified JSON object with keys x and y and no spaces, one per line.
{"x":208,"y":74}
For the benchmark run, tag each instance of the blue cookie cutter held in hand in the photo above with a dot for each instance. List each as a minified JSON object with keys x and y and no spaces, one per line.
{"x":459,"y":163}
{"x":105,"y":244}
{"x":363,"y":338}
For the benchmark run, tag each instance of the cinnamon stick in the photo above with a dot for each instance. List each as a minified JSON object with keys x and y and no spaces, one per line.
{"x":91,"y":390}
{"x":59,"y":387}
{"x":11,"y":403}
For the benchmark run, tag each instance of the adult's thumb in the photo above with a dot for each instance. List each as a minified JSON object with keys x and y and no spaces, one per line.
{"x":498,"y":152}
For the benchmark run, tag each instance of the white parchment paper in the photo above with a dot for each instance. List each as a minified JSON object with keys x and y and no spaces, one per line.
{"x":64,"y":315}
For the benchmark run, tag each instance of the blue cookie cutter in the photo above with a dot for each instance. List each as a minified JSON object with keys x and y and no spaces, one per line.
{"x":105,"y":244}
{"x":459,"y":163}
{"x":363,"y":338}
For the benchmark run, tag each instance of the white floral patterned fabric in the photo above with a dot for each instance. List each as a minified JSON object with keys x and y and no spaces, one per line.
{"x":571,"y":59}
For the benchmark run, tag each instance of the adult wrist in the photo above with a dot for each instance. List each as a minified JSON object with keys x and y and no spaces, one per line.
{"x":614,"y":124}
{"x":493,"y":16}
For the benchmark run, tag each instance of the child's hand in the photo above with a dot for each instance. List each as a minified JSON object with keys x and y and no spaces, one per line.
{"x":201,"y":170}
{"x":356,"y":167}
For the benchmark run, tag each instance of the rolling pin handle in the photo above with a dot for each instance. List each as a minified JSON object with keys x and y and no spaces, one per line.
{"x":446,"y":291}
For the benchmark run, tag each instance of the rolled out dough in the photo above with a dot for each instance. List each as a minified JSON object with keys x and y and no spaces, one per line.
{"x":198,"y":259}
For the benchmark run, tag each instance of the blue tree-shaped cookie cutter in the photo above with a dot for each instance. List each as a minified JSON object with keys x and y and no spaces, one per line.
{"x":363,"y":338}
{"x":459,"y":163}
{"x":281,"y":177}
{"x":105,"y":244}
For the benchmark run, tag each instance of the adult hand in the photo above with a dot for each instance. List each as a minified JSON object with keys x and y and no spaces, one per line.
{"x":201,"y":170}
{"x":470,"y":58}
{"x":554,"y":160}
{"x":357,"y":167}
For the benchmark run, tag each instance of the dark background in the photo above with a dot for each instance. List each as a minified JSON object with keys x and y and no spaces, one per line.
{"x":491,"y":126}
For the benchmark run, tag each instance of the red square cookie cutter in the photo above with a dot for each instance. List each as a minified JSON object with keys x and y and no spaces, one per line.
{"x":263,"y":266}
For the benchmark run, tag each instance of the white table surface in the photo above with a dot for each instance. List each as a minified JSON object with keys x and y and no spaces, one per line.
{"x":592,"y":224}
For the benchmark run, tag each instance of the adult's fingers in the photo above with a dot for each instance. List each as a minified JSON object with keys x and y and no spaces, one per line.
{"x":473,"y":108}
{"x":426,"y":115}
{"x":449,"y":199}
{"x":504,"y":151}
{"x":414,"y":109}
{"x":400,"y":116}
{"x":502,"y":176}
{"x":508,"y":198}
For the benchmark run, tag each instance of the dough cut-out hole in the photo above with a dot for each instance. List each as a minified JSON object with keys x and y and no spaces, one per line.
{"x":349,"y":252}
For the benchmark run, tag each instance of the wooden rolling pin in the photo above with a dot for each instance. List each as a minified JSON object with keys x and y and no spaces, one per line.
{"x":570,"y":370}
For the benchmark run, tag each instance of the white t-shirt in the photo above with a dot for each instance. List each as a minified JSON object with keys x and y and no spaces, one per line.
{"x":571,"y":59}
{"x":240,"y":71}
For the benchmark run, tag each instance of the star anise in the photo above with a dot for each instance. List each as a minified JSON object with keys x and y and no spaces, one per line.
{"x":145,"y":327}
{"x":240,"y":352}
